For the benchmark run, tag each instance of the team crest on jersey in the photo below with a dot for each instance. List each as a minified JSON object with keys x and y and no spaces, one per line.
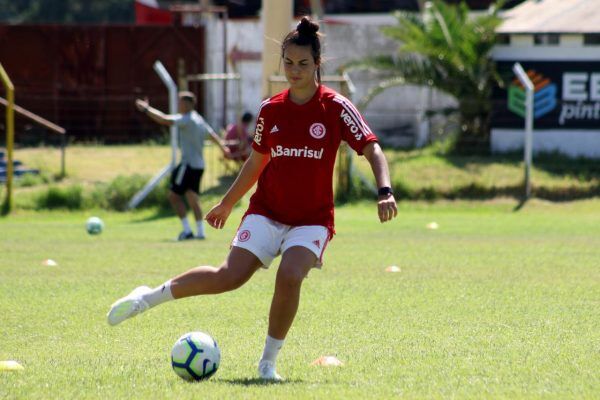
{"x":317,"y":130}
{"x":244,"y":235}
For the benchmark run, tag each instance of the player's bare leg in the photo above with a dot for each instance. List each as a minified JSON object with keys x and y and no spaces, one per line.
{"x":233,"y":273}
{"x":194,"y":203}
{"x":179,"y":207}
{"x":295,"y":264}
{"x":177,"y":204}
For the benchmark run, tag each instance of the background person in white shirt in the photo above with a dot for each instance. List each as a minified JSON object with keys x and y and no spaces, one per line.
{"x":185,"y":178}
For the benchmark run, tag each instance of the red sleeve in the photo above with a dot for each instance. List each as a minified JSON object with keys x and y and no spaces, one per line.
{"x":263,"y":123}
{"x":355,"y":130}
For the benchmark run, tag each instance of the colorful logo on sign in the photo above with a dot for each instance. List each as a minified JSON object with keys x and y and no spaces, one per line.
{"x":544,"y":95}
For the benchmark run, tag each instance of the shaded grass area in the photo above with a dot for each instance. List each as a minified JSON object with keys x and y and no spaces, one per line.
{"x":108,"y":176}
{"x":429,"y":175}
{"x":493,"y":304}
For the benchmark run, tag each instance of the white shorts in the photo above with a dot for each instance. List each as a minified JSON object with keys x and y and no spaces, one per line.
{"x":266,"y":239}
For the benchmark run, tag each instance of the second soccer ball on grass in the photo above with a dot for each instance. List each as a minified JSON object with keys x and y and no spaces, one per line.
{"x":94,"y":226}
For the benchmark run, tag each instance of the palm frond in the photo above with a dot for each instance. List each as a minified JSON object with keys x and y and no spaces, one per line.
{"x":378,"y":89}
{"x":446,"y":48}
{"x":377,"y":63}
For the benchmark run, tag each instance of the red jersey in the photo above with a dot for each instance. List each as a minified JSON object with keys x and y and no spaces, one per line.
{"x":295,"y":188}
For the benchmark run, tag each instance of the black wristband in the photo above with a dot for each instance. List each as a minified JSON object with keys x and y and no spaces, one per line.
{"x":385,"y":191}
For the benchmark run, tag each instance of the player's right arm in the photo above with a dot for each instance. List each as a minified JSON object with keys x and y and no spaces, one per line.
{"x":247,"y":177}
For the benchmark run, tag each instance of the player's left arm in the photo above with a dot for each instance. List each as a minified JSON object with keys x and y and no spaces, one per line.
{"x":386,"y":204}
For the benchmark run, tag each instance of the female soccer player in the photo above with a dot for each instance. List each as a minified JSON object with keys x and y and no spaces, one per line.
{"x":297,"y":136}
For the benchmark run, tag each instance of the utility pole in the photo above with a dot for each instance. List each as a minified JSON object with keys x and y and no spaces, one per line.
{"x":316,"y":6}
{"x":276,"y":21}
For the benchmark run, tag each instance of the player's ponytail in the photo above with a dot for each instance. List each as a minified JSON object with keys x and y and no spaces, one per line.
{"x":306,"y":34}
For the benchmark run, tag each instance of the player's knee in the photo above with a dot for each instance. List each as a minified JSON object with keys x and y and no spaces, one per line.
{"x":290,"y":278}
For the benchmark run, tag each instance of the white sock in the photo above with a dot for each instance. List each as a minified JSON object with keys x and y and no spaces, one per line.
{"x":186,"y":225}
{"x":200,"y":226}
{"x":272,"y":347}
{"x":159,"y":294}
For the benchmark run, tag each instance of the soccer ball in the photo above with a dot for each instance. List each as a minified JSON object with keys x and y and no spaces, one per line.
{"x":195,"y":356}
{"x":94,"y":225}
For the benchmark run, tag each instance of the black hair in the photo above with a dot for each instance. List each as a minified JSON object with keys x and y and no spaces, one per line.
{"x":306,"y":34}
{"x":247,"y":117}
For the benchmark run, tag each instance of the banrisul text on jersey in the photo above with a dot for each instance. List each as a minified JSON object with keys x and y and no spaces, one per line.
{"x":279,"y":151}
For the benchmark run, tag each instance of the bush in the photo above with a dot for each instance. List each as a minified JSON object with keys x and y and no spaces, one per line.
{"x":402,"y":191}
{"x":31,"y":180}
{"x":70,"y":197}
{"x":112,"y":196}
{"x":117,"y":194}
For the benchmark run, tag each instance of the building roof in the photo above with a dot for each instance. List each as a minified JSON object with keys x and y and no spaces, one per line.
{"x":553,"y":16}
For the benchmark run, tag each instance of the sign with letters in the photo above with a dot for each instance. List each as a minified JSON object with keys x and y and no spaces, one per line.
{"x":566,"y":95}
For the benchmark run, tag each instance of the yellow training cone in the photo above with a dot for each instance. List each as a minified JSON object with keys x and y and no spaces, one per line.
{"x":10,"y":366}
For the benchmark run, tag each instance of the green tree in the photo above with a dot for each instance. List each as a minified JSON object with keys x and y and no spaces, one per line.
{"x":447,"y":49}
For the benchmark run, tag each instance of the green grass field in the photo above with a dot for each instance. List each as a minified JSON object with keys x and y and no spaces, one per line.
{"x":493,"y":304}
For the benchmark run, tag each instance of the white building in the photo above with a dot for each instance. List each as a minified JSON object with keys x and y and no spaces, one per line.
{"x":397,"y":115}
{"x":558,"y":43}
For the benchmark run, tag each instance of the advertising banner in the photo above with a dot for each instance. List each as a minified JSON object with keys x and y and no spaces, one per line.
{"x":566,"y":96}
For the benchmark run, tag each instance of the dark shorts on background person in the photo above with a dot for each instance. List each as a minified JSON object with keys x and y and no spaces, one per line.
{"x":184,"y":178}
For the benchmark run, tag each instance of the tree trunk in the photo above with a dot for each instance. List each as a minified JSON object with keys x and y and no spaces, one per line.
{"x":474,"y":135}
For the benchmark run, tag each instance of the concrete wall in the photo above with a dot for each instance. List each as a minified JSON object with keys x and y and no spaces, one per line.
{"x":397,"y":114}
{"x":246,"y":36}
{"x":572,"y":143}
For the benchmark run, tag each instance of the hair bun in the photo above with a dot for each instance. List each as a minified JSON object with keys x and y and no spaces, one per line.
{"x":306,"y":26}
